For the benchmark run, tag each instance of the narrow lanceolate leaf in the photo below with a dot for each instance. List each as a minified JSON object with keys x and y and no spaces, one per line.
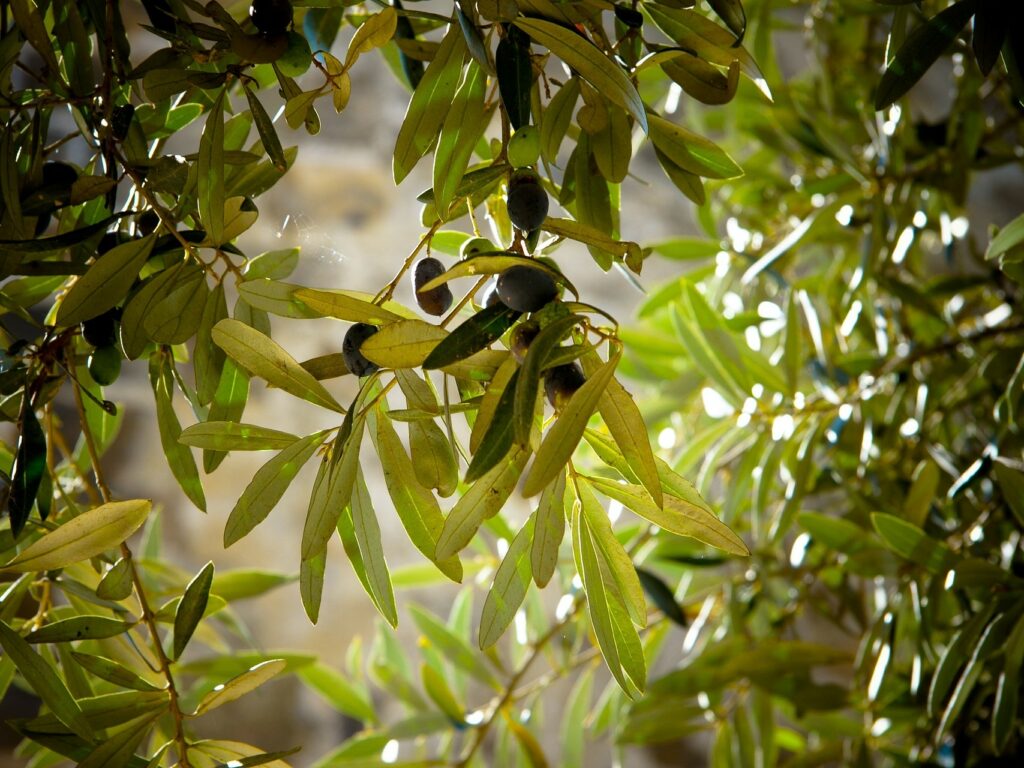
{"x":113,"y":672}
{"x":476,"y":333}
{"x":405,"y":344}
{"x":616,"y":563}
{"x":106,"y":283}
{"x":591,"y":64}
{"x":120,"y":747}
{"x":44,"y":680}
{"x":662,"y":596}
{"x":692,"y":152}
{"x":463,"y":126}
{"x":28,"y":469}
{"x":554,"y":121}
{"x":211,"y":172}
{"x":617,"y":639}
{"x":232,"y":436}
{"x":515,"y":76}
{"x":268,"y":486}
{"x":453,"y":648}
{"x":548,"y":531}
{"x":82,"y":537}
{"x":675,"y":516}
{"x":179,"y":458}
{"x":79,"y":628}
{"x":191,"y":608}
{"x":265,"y":127}
{"x":433,"y":457}
{"x":911,"y":542}
{"x":372,"y":33}
{"x":482,"y":501}
{"x":338,"y":691}
{"x":497,"y":440}
{"x":346,"y":305}
{"x":311,"y":584}
{"x":208,"y":358}
{"x":416,"y":506}
{"x":731,"y":12}
{"x":511,"y":581}
{"x":623,"y":418}
{"x":365,"y":534}
{"x":262,"y":356}
{"x":920,"y":50}
{"x":563,"y":437}
{"x":237,"y":687}
{"x":429,"y":104}
{"x":322,"y":518}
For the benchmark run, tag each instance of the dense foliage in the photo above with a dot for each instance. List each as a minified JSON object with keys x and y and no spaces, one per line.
{"x":839,"y":374}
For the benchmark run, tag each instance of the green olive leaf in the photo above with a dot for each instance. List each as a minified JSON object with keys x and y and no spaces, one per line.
{"x":262,"y":356}
{"x":82,"y":537}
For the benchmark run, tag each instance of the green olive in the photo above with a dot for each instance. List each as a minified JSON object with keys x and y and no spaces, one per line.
{"x":524,"y":147}
{"x":476,"y":245}
{"x":104,"y":365}
{"x":297,"y":56}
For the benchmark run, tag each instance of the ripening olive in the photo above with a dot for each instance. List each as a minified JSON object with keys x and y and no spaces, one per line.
{"x":526,"y":289}
{"x":438,"y":300}
{"x":121,"y":120}
{"x":527,"y":202}
{"x":297,"y":56}
{"x":476,"y":245}
{"x":354,"y":360}
{"x":524,"y":147}
{"x":521,"y":338}
{"x":561,"y":383}
{"x":631,"y":17}
{"x":101,"y":331}
{"x":271,"y":17}
{"x":104,"y":364}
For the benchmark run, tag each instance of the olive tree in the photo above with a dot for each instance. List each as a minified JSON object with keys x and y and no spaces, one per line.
{"x":816,"y":561}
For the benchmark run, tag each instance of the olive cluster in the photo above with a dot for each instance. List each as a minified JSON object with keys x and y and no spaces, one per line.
{"x":523,"y":288}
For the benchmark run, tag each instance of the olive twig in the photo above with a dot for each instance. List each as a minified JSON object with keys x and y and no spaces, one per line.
{"x":148,"y":617}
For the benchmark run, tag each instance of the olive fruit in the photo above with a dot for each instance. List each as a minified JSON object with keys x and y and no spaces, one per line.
{"x":297,"y":56}
{"x":490,"y":297}
{"x":521,"y":338}
{"x":58,"y":174}
{"x":476,"y":245}
{"x":354,"y":360}
{"x":527,"y":202}
{"x":101,"y":331}
{"x":561,"y":383}
{"x":631,"y":17}
{"x":271,"y":17}
{"x":524,"y":147}
{"x":525,"y":289}
{"x":147,"y":223}
{"x":438,"y":300}
{"x":104,"y":364}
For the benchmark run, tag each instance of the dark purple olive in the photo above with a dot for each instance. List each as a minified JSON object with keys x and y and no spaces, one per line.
{"x":561,"y":383}
{"x":354,"y":360}
{"x":527,"y":202}
{"x":526,"y":289}
{"x":58,"y":174}
{"x":438,"y":300}
{"x":271,"y":17}
{"x":147,"y":223}
{"x":101,"y":331}
{"x":490,"y":296}
{"x":521,"y":338}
